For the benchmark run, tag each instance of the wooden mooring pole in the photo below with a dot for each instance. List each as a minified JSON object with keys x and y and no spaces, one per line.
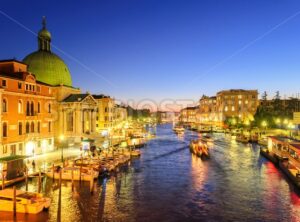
{"x":72,"y":178}
{"x":92,"y":181}
{"x":3,"y":180}
{"x":26,"y":178}
{"x":59,"y":198}
{"x":40,"y":181}
{"x":15,"y":202}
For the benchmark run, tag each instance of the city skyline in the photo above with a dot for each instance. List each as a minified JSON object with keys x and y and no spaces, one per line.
{"x":192,"y":48}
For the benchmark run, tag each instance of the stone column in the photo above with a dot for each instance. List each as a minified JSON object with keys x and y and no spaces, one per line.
{"x":78,"y":122}
{"x":90,"y":121}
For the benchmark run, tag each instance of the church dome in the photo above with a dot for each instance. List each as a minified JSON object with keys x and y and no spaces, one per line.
{"x":47,"y":66}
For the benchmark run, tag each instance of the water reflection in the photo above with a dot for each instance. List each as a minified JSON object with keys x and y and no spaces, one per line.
{"x":169,"y":184}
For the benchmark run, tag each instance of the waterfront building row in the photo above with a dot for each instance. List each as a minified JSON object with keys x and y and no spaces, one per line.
{"x":214,"y":110}
{"x":39,"y":104}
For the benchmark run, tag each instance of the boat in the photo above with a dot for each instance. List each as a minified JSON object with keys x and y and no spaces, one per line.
{"x":135,"y":153}
{"x":242,"y":138}
{"x":67,"y":173}
{"x":178,"y":129}
{"x":26,"y":202}
{"x":253,"y":138}
{"x":199,"y":148}
{"x":263,"y":141}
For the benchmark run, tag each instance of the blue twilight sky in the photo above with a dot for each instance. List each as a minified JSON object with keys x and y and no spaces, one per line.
{"x":164,"y":49}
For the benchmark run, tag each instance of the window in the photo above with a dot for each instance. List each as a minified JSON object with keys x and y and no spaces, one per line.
{"x":4,"y":129}
{"x":32,"y":127}
{"x":4,"y":105}
{"x":20,"y":147}
{"x":20,"y":128}
{"x":49,"y":127}
{"x":39,"y":107}
{"x":27,"y":127}
{"x":3,"y":83}
{"x":19,"y":85}
{"x":39,"y":127}
{"x":4,"y":149}
{"x":226,"y":108}
{"x":27,"y":109}
{"x":20,"y":106}
{"x":232,"y":108}
{"x":32,"y":109}
{"x":50,"y":141}
{"x":49,"y":108}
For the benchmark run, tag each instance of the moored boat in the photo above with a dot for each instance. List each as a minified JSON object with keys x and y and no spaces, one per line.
{"x":242,"y":138}
{"x":83,"y":174}
{"x":26,"y":202}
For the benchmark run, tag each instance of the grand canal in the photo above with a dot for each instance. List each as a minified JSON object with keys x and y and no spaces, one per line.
{"x":169,"y":184}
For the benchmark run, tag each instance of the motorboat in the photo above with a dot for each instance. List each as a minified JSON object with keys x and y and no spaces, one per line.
{"x":178,"y":129}
{"x":199,"y":148}
{"x":26,"y":202}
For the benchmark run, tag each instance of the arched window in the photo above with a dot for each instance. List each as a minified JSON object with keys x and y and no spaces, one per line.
{"x":49,"y":108}
{"x":27,"y":128}
{"x":4,"y":129}
{"x":27,"y":109}
{"x":32,"y":127}
{"x":20,"y":128}
{"x":39,"y":107}
{"x":32,"y":108}
{"x":4,"y":105}
{"x":39,"y":127}
{"x":20,"y":106}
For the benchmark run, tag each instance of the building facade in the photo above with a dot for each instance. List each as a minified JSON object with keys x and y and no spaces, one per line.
{"x":27,"y":111}
{"x":188,"y":115}
{"x":233,"y":103}
{"x":39,"y":105}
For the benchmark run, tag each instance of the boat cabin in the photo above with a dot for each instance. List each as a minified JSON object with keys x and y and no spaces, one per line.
{"x":285,"y":148}
{"x":12,"y":166}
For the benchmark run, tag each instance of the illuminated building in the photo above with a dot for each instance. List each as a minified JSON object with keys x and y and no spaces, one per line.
{"x":105,"y":113}
{"x":238,"y":103}
{"x":188,"y":115}
{"x":120,"y":114}
{"x":27,"y":115}
{"x":39,"y":104}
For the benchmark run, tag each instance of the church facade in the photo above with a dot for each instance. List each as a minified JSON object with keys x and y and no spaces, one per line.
{"x":39,"y":104}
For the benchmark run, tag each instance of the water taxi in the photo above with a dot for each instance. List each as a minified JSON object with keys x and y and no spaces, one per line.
{"x":84,"y":174}
{"x":26,"y":202}
{"x":199,"y":148}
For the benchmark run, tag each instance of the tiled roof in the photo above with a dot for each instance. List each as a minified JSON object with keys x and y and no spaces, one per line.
{"x":75,"y":98}
{"x":100,"y":96}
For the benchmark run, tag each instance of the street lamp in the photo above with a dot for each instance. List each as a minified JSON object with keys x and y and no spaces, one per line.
{"x":264,"y":124}
{"x":61,"y":138}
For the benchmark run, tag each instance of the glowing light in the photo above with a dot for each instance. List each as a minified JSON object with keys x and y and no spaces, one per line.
{"x":29,"y":148}
{"x":264,"y":123}
{"x":61,"y":137}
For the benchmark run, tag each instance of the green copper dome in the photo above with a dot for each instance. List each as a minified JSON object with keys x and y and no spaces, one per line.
{"x":47,"y":66}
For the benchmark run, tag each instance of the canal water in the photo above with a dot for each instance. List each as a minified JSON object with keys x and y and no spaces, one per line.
{"x":167,"y":183}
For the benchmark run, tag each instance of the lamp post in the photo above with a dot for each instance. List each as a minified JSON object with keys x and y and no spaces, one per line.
{"x":61,"y":139}
{"x":264,"y":124}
